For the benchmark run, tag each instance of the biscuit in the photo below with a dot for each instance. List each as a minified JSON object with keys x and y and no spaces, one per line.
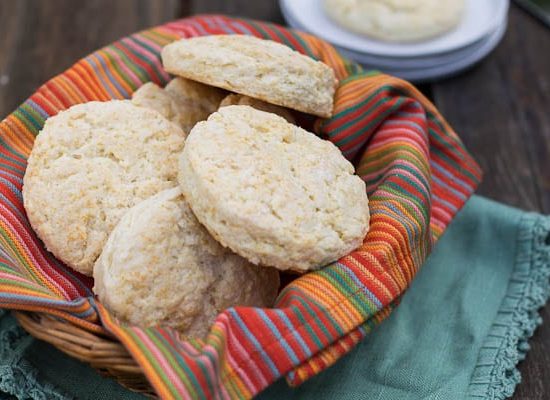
{"x":240,"y":100}
{"x":396,"y":20}
{"x":183,"y":101}
{"x":88,"y":166}
{"x":161,"y":267}
{"x":262,"y":69}
{"x":271,"y":191}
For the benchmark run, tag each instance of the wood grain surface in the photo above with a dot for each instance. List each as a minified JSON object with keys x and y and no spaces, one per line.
{"x":41,"y":38}
{"x":501,"y":107}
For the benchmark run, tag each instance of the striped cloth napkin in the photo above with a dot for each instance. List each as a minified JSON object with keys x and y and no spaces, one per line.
{"x":458,"y":333}
{"x":418,"y":176}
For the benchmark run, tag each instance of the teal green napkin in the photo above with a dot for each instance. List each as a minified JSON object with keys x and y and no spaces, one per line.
{"x":458,"y":333}
{"x":32,"y":369}
{"x":462,"y":326}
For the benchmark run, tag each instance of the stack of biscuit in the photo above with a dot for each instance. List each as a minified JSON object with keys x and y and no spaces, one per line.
{"x":190,"y":199}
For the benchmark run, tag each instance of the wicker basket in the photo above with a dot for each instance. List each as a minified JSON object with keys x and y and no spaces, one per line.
{"x":108,"y":356}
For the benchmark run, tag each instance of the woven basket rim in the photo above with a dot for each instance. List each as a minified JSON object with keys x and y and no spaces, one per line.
{"x":105,"y":354}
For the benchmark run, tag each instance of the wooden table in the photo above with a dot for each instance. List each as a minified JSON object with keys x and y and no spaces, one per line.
{"x":500,"y":108}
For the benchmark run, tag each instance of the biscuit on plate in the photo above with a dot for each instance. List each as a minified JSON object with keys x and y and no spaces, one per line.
{"x":396,"y":20}
{"x":88,"y":166}
{"x":182,"y":101}
{"x":271,"y":191}
{"x":259,"y":68}
{"x":160,"y":266}
{"x":240,"y":100}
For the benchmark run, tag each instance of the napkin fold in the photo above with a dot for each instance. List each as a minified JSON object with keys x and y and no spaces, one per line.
{"x":458,"y":333}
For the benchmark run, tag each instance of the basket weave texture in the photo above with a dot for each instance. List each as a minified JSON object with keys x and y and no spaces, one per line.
{"x":104,"y":353}
{"x":418,"y":176}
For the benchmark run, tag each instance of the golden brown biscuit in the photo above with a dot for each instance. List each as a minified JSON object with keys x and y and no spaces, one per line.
{"x":271,"y":191}
{"x":88,"y":166}
{"x":240,"y":100}
{"x":259,"y":68}
{"x":161,"y":267}
{"x":183,"y":101}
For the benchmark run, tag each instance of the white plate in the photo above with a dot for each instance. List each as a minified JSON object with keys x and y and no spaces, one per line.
{"x":481,"y":18}
{"x":421,"y":62}
{"x":402,"y":63}
{"x":429,"y":74}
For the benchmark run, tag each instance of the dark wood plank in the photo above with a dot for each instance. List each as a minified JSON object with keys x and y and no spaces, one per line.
{"x":9,"y":20}
{"x":267,"y":10}
{"x":42,"y":38}
{"x":500,"y":109}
